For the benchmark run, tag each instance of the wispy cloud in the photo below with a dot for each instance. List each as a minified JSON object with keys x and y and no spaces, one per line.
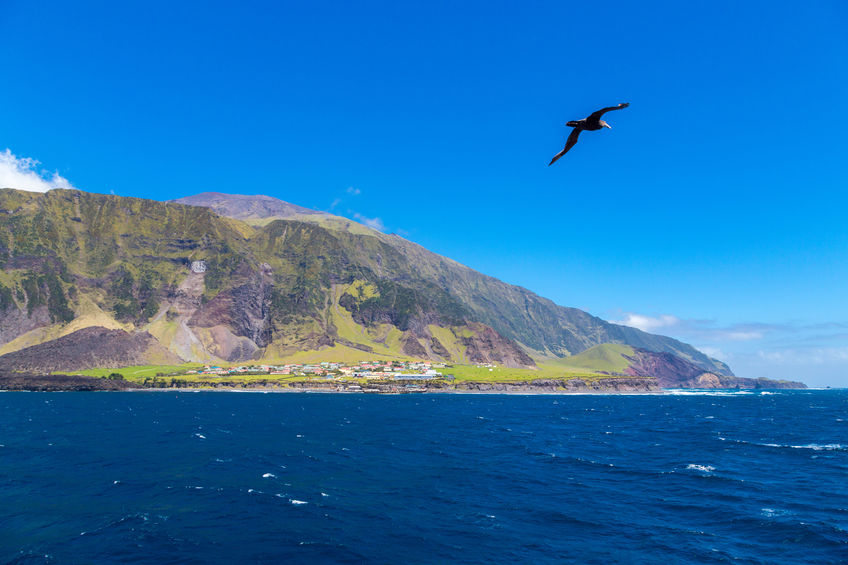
{"x":373,"y":223}
{"x":815,"y":365}
{"x":24,"y":173}
{"x":349,"y":191}
{"x":347,"y":196}
{"x":808,"y":356}
{"x":647,"y":323}
{"x":706,"y":330}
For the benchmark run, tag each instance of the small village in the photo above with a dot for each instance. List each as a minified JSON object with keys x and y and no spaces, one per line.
{"x":364,"y":376}
{"x":364,"y":369}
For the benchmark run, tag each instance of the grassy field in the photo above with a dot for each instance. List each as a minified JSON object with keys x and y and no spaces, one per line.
{"x":201,"y":380}
{"x":450,"y":341}
{"x":140,"y":372}
{"x":503,"y":374}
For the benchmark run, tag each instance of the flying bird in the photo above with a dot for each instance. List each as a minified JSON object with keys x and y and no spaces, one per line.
{"x":592,"y":123}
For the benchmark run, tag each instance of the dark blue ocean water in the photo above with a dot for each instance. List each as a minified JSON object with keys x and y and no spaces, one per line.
{"x":322,"y":478}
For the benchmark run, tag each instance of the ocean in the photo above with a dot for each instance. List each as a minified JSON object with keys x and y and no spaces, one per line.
{"x":227,"y":477}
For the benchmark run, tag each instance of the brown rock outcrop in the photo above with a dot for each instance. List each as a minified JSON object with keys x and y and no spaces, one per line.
{"x":488,"y":346}
{"x":673,"y":372}
{"x":89,"y":348}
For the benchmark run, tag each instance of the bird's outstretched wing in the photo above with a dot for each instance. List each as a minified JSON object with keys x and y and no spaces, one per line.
{"x":594,"y":116}
{"x":569,"y":143}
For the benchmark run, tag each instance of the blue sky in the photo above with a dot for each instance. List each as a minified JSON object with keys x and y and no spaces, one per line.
{"x":714,"y":210}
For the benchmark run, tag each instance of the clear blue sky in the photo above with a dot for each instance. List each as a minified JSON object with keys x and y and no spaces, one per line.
{"x":714,"y":211}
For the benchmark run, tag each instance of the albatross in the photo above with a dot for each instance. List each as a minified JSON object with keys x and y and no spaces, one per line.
{"x":592,"y":123}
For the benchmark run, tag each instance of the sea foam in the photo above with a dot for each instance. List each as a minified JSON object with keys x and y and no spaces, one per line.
{"x":704,"y":468}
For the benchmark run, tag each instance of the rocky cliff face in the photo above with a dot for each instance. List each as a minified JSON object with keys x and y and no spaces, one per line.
{"x":237,"y":321}
{"x":15,"y":321}
{"x":674,"y":372}
{"x":486,"y":345}
{"x":601,"y":386}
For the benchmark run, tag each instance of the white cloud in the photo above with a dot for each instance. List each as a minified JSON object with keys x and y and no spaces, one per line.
{"x":23,"y":173}
{"x":647,"y":323}
{"x":742,"y":336}
{"x":349,"y":191}
{"x":373,"y":223}
{"x":698,"y":330}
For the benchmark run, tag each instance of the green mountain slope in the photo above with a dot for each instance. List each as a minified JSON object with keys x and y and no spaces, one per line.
{"x":544,"y":328}
{"x":613,"y":358}
{"x":281,"y":283}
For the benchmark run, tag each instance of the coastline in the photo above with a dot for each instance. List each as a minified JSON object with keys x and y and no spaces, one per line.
{"x":546,"y":387}
{"x":57,"y":383}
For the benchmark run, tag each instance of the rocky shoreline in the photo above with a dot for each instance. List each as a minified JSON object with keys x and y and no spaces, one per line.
{"x":610,"y":385}
{"x":57,"y":383}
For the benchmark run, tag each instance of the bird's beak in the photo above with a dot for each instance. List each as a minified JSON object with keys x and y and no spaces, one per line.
{"x":607,"y":126}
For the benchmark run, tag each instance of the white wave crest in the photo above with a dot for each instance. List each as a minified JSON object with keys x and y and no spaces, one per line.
{"x":772,"y":512}
{"x":703,"y":468}
{"x":821,"y":447}
{"x":705,"y":392}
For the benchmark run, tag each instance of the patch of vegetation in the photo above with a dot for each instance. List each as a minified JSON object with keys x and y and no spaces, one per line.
{"x":122,"y":286}
{"x":135,"y":300}
{"x":449,"y":340}
{"x":220,"y":270}
{"x":34,"y":295}
{"x":397,"y":304}
{"x":477,"y":373}
{"x":57,"y":303}
{"x":291,"y":300}
{"x":608,"y":357}
{"x":141,"y":371}
{"x":6,"y":298}
{"x":45,"y":289}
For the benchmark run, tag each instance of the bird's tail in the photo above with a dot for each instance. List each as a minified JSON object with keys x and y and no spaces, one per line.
{"x":571,"y":124}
